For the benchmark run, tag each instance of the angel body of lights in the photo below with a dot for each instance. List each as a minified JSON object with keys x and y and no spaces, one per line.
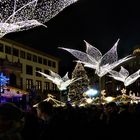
{"x":123,"y":76}
{"x":18,"y":15}
{"x":62,"y":83}
{"x":93,"y":58}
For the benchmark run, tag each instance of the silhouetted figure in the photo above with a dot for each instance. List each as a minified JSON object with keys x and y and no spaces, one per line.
{"x":11,"y":122}
{"x":45,"y":114}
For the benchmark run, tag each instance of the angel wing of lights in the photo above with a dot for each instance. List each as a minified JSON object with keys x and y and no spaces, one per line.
{"x":132,"y":78}
{"x":19,"y":15}
{"x":62,"y":83}
{"x":93,"y":58}
{"x":123,"y":75}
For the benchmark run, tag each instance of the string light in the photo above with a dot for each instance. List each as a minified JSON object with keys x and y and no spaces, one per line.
{"x":51,"y":98}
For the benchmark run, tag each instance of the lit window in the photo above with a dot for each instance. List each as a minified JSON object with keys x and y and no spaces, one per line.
{"x":46,"y":86}
{"x":38,"y":85}
{"x":29,"y":83}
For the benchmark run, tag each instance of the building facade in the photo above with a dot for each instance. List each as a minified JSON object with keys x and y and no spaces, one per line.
{"x":20,"y":63}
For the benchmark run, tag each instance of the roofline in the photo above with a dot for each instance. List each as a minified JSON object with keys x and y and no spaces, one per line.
{"x":29,"y":48}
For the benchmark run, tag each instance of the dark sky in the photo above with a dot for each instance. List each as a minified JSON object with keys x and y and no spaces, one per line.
{"x":98,"y":22}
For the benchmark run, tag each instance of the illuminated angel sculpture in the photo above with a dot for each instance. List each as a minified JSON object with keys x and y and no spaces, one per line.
{"x":93,"y":58}
{"x":62,"y":83}
{"x":123,"y":76}
{"x":18,"y":15}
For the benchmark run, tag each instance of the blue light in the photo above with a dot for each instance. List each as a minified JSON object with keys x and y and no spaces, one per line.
{"x":91,"y":92}
{"x":3,"y":80}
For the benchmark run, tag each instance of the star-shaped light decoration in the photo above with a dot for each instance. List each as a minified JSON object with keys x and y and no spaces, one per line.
{"x":123,"y":75}
{"x":62,"y":83}
{"x":94,"y":59}
{"x":19,"y":15}
{"x":123,"y":91}
{"x":3,"y":80}
{"x":123,"y":96}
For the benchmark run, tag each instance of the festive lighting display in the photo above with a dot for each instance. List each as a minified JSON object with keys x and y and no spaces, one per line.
{"x":123,"y":75}
{"x":94,"y":59}
{"x":18,"y":15}
{"x":76,"y":89}
{"x":91,"y":92}
{"x":51,"y":98}
{"x":62,"y":83}
{"x":103,"y":92}
{"x":3,"y":80}
{"x":109,"y":99}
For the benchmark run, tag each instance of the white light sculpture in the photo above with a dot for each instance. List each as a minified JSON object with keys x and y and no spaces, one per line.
{"x":19,"y":15}
{"x":93,"y":58}
{"x":123,"y":76}
{"x":62,"y":83}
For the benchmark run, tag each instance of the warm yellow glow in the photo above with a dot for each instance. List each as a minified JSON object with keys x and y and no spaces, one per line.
{"x":103,"y":93}
{"x":136,"y":51}
{"x":109,"y":99}
{"x":123,"y":91}
{"x":51,"y":98}
{"x":89,"y":100}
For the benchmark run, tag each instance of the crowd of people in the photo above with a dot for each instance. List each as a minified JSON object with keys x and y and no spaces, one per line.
{"x":46,"y":122}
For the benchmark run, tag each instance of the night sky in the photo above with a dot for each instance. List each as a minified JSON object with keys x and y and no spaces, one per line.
{"x":98,"y":22}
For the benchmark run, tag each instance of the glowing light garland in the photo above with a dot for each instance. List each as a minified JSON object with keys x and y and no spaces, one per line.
{"x":62,"y":83}
{"x":123,"y":75}
{"x":19,"y":15}
{"x":51,"y":98}
{"x":93,"y":58}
